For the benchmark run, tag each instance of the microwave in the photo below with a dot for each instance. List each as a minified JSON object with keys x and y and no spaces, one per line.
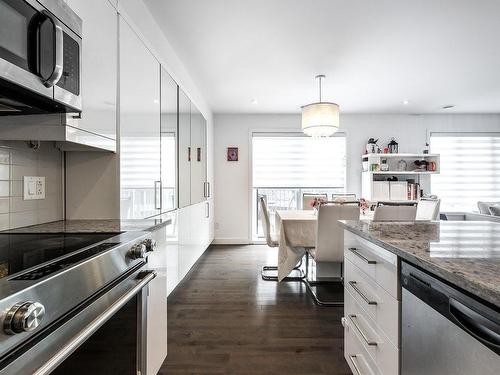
{"x":40,"y":58}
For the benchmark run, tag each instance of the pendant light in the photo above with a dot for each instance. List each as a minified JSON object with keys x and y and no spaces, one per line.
{"x":320,"y":119}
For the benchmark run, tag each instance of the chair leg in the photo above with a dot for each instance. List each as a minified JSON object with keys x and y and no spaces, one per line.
{"x":311,"y":284}
{"x":301,"y":276}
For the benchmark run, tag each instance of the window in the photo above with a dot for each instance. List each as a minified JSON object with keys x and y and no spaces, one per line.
{"x":470,"y":169}
{"x":287,"y":165}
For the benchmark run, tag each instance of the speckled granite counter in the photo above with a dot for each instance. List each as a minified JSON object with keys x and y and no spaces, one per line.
{"x":95,"y":226}
{"x":464,"y":253}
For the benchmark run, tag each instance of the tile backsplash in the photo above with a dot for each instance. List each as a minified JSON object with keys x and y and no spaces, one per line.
{"x":17,"y":160}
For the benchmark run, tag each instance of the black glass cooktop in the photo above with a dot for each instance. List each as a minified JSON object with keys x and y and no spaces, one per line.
{"x":19,"y":252}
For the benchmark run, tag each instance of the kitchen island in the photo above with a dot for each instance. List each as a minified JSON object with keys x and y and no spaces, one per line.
{"x":385,"y":323}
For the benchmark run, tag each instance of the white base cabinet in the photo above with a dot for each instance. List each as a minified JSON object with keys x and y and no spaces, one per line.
{"x":157,"y":304}
{"x":188,"y":238}
{"x":371,"y":308}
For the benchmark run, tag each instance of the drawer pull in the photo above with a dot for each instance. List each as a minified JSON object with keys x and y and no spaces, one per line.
{"x":365,"y":298}
{"x":363,"y":335}
{"x":359,"y":255}
{"x":352,"y":358}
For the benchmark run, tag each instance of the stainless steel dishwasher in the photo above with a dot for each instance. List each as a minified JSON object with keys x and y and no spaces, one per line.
{"x":445,"y":331}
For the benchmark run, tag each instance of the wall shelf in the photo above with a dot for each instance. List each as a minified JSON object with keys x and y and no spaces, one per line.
{"x":375,"y":186}
{"x":402,"y":172}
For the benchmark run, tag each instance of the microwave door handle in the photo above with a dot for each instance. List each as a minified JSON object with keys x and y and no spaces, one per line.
{"x":59,"y":52}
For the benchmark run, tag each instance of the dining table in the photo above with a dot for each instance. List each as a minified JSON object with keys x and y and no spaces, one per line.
{"x":297,"y":233}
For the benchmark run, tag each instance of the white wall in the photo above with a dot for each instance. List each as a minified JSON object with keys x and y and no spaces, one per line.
{"x":232,"y":207}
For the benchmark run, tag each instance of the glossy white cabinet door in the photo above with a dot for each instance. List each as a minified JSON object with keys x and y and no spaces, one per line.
{"x":157,"y":304}
{"x":185,"y":154}
{"x":99,"y":66}
{"x":198,"y":161}
{"x":140,"y":151}
{"x":168,"y":142}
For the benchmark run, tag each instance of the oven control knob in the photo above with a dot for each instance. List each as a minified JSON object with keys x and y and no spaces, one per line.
{"x":138,"y":251}
{"x":150,"y":244}
{"x":23,"y":317}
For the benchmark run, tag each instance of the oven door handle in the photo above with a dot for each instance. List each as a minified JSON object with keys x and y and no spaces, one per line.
{"x":88,"y":331}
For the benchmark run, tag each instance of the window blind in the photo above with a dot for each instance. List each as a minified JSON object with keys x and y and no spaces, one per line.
{"x":470,"y":170}
{"x":298,"y":161}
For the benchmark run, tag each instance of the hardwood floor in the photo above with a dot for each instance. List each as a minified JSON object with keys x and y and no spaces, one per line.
{"x":224,"y":319}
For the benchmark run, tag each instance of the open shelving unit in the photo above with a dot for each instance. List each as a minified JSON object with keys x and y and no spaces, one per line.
{"x":375,"y":184}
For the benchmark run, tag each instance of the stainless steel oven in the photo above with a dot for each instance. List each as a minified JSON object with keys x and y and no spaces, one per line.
{"x":74,"y":304}
{"x":40,"y":57}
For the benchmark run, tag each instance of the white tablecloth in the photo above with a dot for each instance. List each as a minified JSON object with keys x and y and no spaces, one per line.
{"x":297,"y":231}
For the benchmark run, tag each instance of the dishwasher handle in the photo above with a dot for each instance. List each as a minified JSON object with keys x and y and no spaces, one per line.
{"x":477,"y":325}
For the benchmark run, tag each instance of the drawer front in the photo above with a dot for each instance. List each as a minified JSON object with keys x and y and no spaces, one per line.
{"x":378,"y":304}
{"x":378,"y":263}
{"x":375,"y":342}
{"x":355,"y":354}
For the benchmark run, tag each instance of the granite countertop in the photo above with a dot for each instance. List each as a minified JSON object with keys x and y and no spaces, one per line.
{"x":464,"y":253}
{"x":95,"y":226}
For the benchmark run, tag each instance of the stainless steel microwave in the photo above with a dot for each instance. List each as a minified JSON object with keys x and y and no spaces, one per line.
{"x":40,"y":57}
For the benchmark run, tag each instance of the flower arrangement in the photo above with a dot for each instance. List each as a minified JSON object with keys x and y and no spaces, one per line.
{"x":316,"y":202}
{"x":363,"y":206}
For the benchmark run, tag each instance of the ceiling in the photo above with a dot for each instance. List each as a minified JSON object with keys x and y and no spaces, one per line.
{"x":261,"y":56}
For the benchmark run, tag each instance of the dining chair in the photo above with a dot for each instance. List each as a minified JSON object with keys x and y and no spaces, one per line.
{"x":395,"y":213}
{"x":328,"y":253}
{"x":272,"y":241}
{"x":307,"y":198}
{"x":345,"y":196}
{"x":428,"y":209}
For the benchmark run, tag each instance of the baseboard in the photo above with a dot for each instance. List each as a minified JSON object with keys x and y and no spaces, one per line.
{"x":230,"y":241}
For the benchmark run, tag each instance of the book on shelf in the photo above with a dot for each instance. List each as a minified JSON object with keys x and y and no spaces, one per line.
{"x":413,"y":191}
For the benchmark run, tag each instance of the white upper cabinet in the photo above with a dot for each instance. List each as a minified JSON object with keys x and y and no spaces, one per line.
{"x":185,"y":151}
{"x":99,"y":66}
{"x":198,"y":159}
{"x":140,"y":149}
{"x":168,"y":142}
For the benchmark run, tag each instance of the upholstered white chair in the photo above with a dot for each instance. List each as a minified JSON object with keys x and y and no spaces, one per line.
{"x":395,"y":213}
{"x":344,"y":196}
{"x":272,"y":241}
{"x":428,"y":209}
{"x":328,"y":254}
{"x":307,"y":198}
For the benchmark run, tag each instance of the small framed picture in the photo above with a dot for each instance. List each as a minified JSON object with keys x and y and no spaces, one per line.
{"x":232,"y":154}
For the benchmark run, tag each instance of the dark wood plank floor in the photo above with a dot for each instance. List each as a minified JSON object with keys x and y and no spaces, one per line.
{"x":223,"y":319}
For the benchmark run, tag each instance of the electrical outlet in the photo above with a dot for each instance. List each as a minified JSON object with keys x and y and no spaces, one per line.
{"x":34,"y":187}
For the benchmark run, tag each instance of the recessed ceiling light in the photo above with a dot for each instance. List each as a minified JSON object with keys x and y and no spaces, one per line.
{"x":449,"y":106}
{"x":406,"y":102}
{"x":255,"y":101}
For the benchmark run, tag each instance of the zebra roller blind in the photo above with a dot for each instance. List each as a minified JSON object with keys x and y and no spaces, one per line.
{"x":297,"y":161}
{"x":470,"y":169}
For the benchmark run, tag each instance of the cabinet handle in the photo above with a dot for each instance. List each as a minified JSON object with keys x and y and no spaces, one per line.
{"x":359,"y":255}
{"x":189,"y":153}
{"x":157,"y":184}
{"x":363,"y":335}
{"x":208,"y":210}
{"x":354,"y":364}
{"x":198,"y":154}
{"x":206,"y":189}
{"x":365,"y":298}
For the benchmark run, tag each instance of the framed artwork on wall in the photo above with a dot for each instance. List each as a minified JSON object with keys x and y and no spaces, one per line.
{"x":232,"y":154}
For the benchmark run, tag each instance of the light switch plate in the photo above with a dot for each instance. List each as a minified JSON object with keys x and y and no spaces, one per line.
{"x":34,"y":187}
